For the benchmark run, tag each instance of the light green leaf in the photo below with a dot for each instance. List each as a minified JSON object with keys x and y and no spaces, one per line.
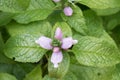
{"x":13,"y":6}
{"x":33,"y":15}
{"x":23,"y":48}
{"x":37,"y":10}
{"x":92,"y":73}
{"x":6,"y":76}
{"x":66,"y":30}
{"x":35,"y":74}
{"x":38,"y":28}
{"x":62,"y":69}
{"x":70,"y":76}
{"x":48,"y":78}
{"x":98,"y":52}
{"x":40,"y":4}
{"x":102,"y":7}
{"x":76,"y":21}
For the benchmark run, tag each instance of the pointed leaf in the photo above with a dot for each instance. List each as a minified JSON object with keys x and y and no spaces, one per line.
{"x":35,"y":74}
{"x":23,"y":48}
{"x":6,"y":76}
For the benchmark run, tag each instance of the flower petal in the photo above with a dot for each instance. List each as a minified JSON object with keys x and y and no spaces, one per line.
{"x":44,"y":42}
{"x":58,"y":34}
{"x":67,"y":43}
{"x":56,"y":58}
{"x":75,"y":41}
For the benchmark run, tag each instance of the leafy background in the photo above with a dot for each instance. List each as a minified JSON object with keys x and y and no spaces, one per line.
{"x":94,"y":23}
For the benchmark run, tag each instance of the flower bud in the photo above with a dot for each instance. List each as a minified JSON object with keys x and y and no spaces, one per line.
{"x":68,"y":11}
{"x":56,"y":0}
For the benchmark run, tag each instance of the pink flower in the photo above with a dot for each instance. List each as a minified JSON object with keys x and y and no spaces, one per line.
{"x":56,"y":0}
{"x":62,"y":43}
{"x":68,"y":11}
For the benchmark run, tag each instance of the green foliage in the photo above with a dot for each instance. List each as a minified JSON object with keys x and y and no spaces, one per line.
{"x":35,"y":74}
{"x":102,"y":7}
{"x":5,"y":76}
{"x":94,"y":23}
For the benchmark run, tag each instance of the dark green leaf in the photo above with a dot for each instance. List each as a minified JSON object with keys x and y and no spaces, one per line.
{"x":35,"y":74}
{"x":5,"y":18}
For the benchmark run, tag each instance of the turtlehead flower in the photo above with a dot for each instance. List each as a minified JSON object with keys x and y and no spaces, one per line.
{"x":68,"y":11}
{"x":56,"y":45}
{"x":56,"y":0}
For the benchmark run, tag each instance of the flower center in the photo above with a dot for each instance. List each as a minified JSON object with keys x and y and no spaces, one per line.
{"x":56,"y":43}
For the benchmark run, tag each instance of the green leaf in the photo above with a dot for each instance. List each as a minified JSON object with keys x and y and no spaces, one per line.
{"x":98,"y":52}
{"x":38,"y":28}
{"x":108,"y":11}
{"x":116,"y":74}
{"x":66,"y":30}
{"x":112,"y":21}
{"x":92,"y":73}
{"x":48,"y":78}
{"x":62,"y":69}
{"x":33,"y":15}
{"x":94,"y":24}
{"x":37,"y":10}
{"x":39,"y":4}
{"x":13,"y":6}
{"x":70,"y":76}
{"x":76,"y":21}
{"x":55,"y":17}
{"x":5,"y":18}
{"x":35,"y":74}
{"x":6,"y":76}
{"x":102,"y":7}
{"x":95,"y":27}
{"x":23,"y":48}
{"x":1,"y":43}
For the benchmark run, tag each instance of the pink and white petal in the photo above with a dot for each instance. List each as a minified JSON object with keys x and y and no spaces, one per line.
{"x":67,"y":43}
{"x":56,"y":58}
{"x":58,"y":34}
{"x":44,"y":42}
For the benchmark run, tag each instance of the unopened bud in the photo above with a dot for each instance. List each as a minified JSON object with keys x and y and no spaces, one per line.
{"x":68,"y":11}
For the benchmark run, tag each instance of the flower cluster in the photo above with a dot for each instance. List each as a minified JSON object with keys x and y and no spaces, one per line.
{"x":56,"y":45}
